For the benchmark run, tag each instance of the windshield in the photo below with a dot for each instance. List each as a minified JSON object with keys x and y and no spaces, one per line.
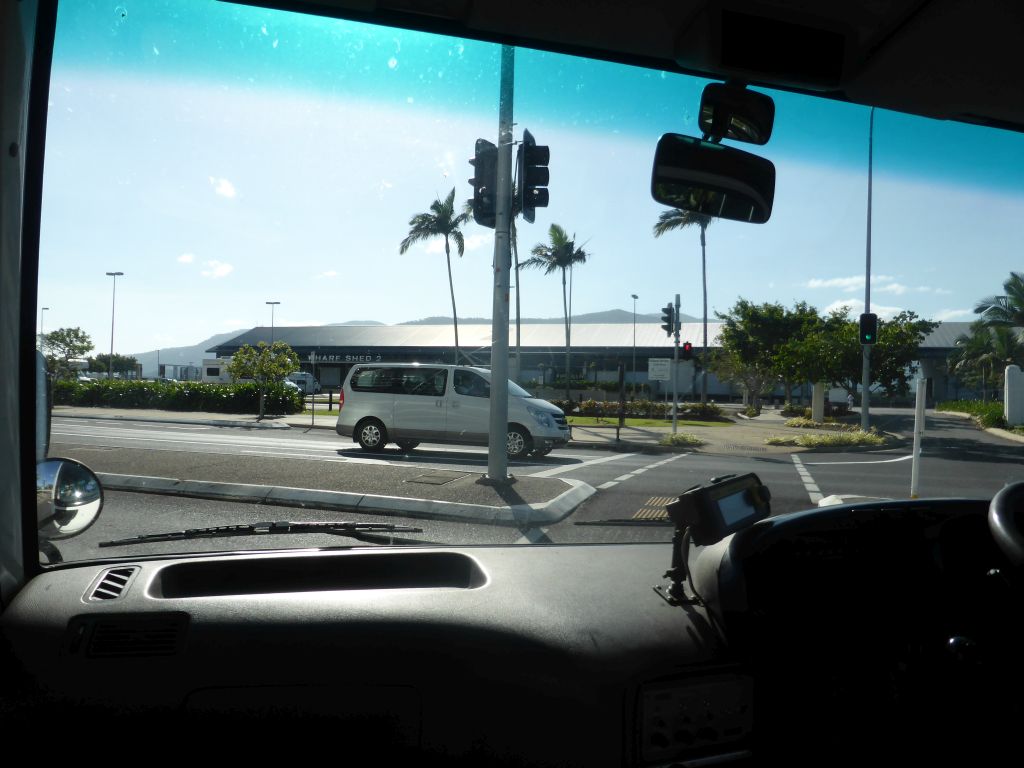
{"x":234,"y":195}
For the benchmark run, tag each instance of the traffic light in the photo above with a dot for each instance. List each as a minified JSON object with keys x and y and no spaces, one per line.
{"x":868,"y":328}
{"x":533,"y":175}
{"x":687,"y":351}
{"x":484,"y":181}
{"x":668,"y":319}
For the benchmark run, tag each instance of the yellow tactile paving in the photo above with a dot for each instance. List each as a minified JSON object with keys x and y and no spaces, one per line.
{"x":654,"y":509}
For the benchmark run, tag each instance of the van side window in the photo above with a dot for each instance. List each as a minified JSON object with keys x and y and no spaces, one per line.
{"x":471,"y":384}
{"x":423,"y":381}
{"x":376,"y":380}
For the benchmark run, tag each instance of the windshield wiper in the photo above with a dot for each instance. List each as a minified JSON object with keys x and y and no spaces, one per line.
{"x":263,"y":528}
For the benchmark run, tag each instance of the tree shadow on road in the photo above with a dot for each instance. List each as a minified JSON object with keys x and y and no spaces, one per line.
{"x":968,"y":449}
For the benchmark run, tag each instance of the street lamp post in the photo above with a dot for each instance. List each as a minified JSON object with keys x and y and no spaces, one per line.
{"x":272,"y":305}
{"x":42,"y":317}
{"x":635,"y":297}
{"x":113,"y":299}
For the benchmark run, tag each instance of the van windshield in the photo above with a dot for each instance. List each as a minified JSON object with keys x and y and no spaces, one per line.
{"x":234,"y":194}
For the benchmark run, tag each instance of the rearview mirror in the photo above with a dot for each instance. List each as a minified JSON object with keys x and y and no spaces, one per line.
{"x":713,"y":180}
{"x":733,"y":112}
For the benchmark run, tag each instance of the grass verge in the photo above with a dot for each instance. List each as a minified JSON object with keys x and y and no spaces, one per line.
{"x":681,"y":438}
{"x":604,"y":421}
{"x":836,"y":439}
{"x":985,"y":415}
{"x":801,"y":422}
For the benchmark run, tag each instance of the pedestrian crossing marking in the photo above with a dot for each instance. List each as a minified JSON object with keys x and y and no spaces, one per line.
{"x":654,"y":509}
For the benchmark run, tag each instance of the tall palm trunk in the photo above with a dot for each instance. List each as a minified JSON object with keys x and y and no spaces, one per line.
{"x":704,"y":348}
{"x":565,"y":310}
{"x":451,"y":287}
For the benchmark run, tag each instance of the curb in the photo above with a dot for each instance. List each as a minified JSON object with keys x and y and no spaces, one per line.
{"x":209,"y":422}
{"x":543,"y":513}
{"x":627,"y":447}
{"x":997,"y":431}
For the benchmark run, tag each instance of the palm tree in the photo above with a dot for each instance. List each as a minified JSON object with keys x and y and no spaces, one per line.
{"x":560,"y":253}
{"x":983,"y":349}
{"x":679,"y":219}
{"x":1005,"y":311}
{"x":441,"y":221}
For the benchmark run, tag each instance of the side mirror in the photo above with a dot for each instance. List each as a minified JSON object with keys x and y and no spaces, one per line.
{"x":712,"y":180}
{"x":733,"y":112}
{"x":68,"y":498}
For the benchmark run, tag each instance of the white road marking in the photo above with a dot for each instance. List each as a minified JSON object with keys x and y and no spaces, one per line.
{"x":606,"y":486}
{"x":623,"y":478}
{"x":879,"y":461}
{"x":559,"y":470}
{"x":805,"y":477}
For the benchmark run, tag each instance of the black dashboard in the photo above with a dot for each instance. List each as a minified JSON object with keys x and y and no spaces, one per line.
{"x":543,"y":655}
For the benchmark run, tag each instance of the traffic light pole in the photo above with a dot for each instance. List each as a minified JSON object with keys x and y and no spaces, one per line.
{"x":497,"y":449}
{"x":865,"y":378}
{"x":675,"y":369}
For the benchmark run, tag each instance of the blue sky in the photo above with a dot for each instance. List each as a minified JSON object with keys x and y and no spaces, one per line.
{"x":225,"y":156}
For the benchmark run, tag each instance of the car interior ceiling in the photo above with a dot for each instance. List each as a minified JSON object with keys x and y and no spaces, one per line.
{"x":560,"y":656}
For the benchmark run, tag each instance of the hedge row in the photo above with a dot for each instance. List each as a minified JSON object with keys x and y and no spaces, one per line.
{"x":986,"y":414}
{"x":642,"y":409}
{"x":181,"y":396}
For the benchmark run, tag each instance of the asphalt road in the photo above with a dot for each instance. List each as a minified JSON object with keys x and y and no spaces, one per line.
{"x":632,"y":488}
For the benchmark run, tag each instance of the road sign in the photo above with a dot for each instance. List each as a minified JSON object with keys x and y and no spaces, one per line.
{"x":659,"y":369}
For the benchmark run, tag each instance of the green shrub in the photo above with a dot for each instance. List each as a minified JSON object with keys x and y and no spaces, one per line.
{"x":828,"y":440}
{"x":984,"y":414}
{"x":751,"y":411}
{"x":801,"y":422}
{"x":180,"y":396}
{"x":789,"y":409}
{"x":681,"y":438}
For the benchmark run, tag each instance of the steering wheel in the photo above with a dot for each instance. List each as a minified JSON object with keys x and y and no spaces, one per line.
{"x":1004,"y":520}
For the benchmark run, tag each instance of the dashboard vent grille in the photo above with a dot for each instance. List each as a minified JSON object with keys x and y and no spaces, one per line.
{"x":135,"y":636}
{"x":113,"y":583}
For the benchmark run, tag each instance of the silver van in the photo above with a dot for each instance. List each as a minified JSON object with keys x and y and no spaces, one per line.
{"x":406,"y":403}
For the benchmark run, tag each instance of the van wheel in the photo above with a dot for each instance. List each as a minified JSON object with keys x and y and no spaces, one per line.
{"x":541,"y":452}
{"x":372,"y":435}
{"x":518,"y":443}
{"x":407,"y":445}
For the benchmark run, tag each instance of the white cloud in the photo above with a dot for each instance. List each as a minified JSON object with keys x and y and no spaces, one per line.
{"x":894,"y":288}
{"x":186,"y":258}
{"x":328,"y":273}
{"x":857,"y":306}
{"x":943,"y":292}
{"x":217,"y":269}
{"x":222,"y":187}
{"x":847,"y":283}
{"x":951,"y":314}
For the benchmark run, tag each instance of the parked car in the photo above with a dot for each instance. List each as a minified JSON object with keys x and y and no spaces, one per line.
{"x":305,"y":381}
{"x":407,"y":403}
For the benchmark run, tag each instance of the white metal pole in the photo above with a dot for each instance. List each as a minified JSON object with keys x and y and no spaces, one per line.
{"x":865,"y":378}
{"x":675,"y":370}
{"x":922,"y":388}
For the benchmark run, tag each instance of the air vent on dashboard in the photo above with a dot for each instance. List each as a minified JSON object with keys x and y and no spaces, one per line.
{"x":113,"y":583}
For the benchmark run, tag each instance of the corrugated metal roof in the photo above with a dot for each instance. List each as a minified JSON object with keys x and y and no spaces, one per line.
{"x":534,"y":335}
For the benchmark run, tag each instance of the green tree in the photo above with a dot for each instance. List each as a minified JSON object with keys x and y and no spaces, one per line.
{"x":1005,"y":311}
{"x":892,"y":358}
{"x":441,"y":221}
{"x":753,"y":337}
{"x":982,"y":352}
{"x":265,"y":364}
{"x":122,"y":363}
{"x":559,"y":254}
{"x":678,"y":219}
{"x":62,"y":346}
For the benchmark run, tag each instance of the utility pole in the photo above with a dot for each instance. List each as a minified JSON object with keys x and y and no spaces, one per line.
{"x":497,"y":444}
{"x":42,"y":318}
{"x":865,"y":378}
{"x":113,"y":299}
{"x":675,"y":369}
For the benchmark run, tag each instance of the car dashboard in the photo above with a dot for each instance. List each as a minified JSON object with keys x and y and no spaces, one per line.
{"x":542,"y":655}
